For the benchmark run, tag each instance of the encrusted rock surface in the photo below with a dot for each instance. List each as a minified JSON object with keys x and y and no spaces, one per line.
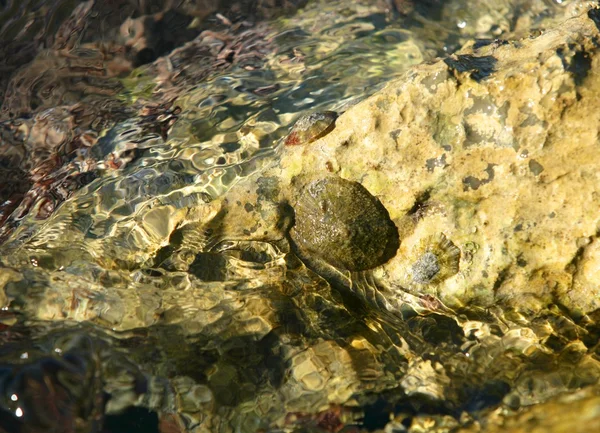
{"x":493,"y":149}
{"x":486,"y":163}
{"x":497,"y":149}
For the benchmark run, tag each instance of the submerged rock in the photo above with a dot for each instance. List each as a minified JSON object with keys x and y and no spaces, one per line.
{"x":501,"y":163}
{"x":498,"y":156}
{"x":485,"y":173}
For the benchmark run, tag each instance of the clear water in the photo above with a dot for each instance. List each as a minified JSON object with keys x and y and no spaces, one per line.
{"x":93,"y":338}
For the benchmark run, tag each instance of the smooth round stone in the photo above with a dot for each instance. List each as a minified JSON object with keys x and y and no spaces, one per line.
{"x":342,"y":223}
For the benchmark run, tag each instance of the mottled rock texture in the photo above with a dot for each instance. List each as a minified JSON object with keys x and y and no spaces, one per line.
{"x":497,"y":149}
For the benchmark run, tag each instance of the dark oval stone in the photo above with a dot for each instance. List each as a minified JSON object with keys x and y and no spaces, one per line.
{"x":342,"y":223}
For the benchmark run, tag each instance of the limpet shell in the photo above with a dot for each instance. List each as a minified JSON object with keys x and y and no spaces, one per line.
{"x":311,"y":127}
{"x":342,"y":223}
{"x":437,"y":259}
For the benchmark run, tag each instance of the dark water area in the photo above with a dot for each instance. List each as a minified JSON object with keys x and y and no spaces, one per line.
{"x":113,"y":111}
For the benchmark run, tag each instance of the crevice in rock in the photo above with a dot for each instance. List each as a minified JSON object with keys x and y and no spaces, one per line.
{"x":420,"y":204}
{"x":480,"y":68}
{"x":501,"y":278}
{"x":594,"y":15}
{"x":577,"y":61}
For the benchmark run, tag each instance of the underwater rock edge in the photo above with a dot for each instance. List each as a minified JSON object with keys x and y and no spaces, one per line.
{"x":495,"y":149}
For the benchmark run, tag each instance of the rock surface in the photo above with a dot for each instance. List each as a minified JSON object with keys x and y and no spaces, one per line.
{"x":486,"y":164}
{"x":495,"y":148}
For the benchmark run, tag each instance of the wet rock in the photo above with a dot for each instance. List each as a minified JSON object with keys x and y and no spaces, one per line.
{"x":518,"y":187}
{"x":53,"y":393}
{"x":448,"y":155}
{"x":311,"y":127}
{"x":518,"y":145}
{"x":342,"y":223}
{"x":559,"y":415}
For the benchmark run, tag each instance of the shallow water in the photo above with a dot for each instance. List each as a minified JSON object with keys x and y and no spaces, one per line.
{"x":102,"y":332}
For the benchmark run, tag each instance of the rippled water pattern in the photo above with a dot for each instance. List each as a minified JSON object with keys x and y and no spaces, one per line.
{"x":116,"y":155}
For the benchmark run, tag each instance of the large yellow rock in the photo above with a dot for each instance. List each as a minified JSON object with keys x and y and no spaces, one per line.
{"x":493,"y":151}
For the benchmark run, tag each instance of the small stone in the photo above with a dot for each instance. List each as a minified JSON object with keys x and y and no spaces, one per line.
{"x":535,"y":167}
{"x":342,"y":223}
{"x":311,"y":127}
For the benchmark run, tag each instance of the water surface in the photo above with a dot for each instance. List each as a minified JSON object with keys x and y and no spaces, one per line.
{"x":118,"y":119}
